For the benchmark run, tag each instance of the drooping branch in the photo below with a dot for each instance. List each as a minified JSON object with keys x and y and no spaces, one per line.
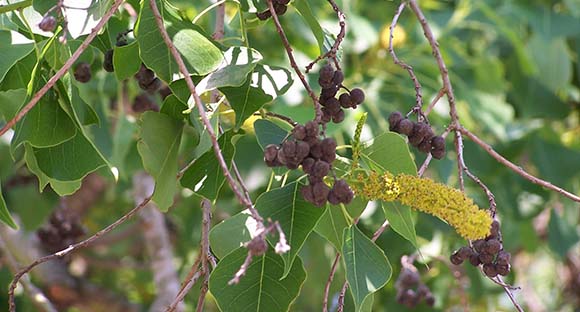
{"x":515,"y":168}
{"x":63,"y":70}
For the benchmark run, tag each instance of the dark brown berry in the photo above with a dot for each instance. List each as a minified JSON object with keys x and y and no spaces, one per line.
{"x":456,"y":258}
{"x":494,"y":232}
{"x":283,"y":2}
{"x":405,"y":127}
{"x":425,"y":146}
{"x":320,"y":169}
{"x":502,"y":269}
{"x":465,"y":252}
{"x":474,"y":259}
{"x":478,"y":245}
{"x":299,"y":132}
{"x":338,"y":77}
{"x":83,"y":72}
{"x":438,"y":154}
{"x":338,"y":117}
{"x":357,"y":95}
{"x":345,"y":100}
{"x":311,"y":129}
{"x":264,"y":15}
{"x":430,"y":300}
{"x":493,"y":246}
{"x":144,"y":76}
{"x":108,"y":61}
{"x":271,"y":155}
{"x":342,"y":192}
{"x":489,"y":270}
{"x":394,"y":119}
{"x":503,"y":257}
{"x":326,"y":72}
{"x":486,"y":258}
{"x":144,"y":102}
{"x":408,"y":278}
{"x":332,"y":105}
{"x":438,"y":142}
{"x":48,"y":23}
{"x":280,"y":9}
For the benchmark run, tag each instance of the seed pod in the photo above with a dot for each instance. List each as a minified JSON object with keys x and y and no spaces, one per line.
{"x":299,"y":132}
{"x":478,"y":245}
{"x":320,"y":169}
{"x":494,"y":232}
{"x":333,"y":106}
{"x":311,"y":129}
{"x":503,"y":257}
{"x":325,"y":84}
{"x":438,"y":154}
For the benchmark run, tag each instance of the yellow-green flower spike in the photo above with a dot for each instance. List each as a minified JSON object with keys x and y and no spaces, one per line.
{"x":430,"y":197}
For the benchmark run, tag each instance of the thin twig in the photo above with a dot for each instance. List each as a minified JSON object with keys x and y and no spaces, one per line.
{"x":192,"y":277}
{"x":329,"y":282}
{"x":418,"y":95}
{"x":293,"y":61}
{"x":205,"y":251}
{"x":515,"y":168}
{"x":36,"y":296}
{"x":380,"y":230}
{"x":242,"y":269}
{"x":63,"y":70}
{"x":436,"y":99}
{"x":71,"y":248}
{"x":201,"y":109}
{"x":341,"y":297}
{"x":488,"y":193}
{"x":334,"y":49}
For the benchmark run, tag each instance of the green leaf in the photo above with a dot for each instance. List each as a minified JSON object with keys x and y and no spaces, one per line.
{"x":199,"y":53}
{"x":238,"y":63}
{"x":303,"y":8}
{"x":126,"y":60}
{"x":553,"y":61}
{"x":206,"y":169}
{"x":261,"y":289}
{"x":273,"y":80}
{"x":268,"y":132}
{"x":11,"y":101}
{"x":367,"y":267}
{"x":19,"y":75}
{"x":158,"y":146}
{"x":5,"y":214}
{"x":231,"y":234}
{"x":390,"y":152}
{"x":561,"y":234}
{"x":123,"y":140}
{"x":11,"y":53}
{"x":69,"y":161}
{"x":62,"y":188}
{"x":401,"y":220}
{"x":245,"y":100}
{"x":296,"y":216}
{"x":332,"y":224}
{"x":45,"y":125}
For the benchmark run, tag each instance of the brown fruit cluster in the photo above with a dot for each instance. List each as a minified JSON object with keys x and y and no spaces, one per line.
{"x":83,"y":72}
{"x":332,"y":108}
{"x":420,"y":135}
{"x":62,"y":231}
{"x":488,"y":252}
{"x":48,"y":23}
{"x":410,"y":289}
{"x":144,"y":102}
{"x":147,"y":80}
{"x":280,"y":7}
{"x":315,"y":155}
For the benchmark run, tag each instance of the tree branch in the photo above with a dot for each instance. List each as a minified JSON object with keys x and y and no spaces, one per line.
{"x":15,"y":6}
